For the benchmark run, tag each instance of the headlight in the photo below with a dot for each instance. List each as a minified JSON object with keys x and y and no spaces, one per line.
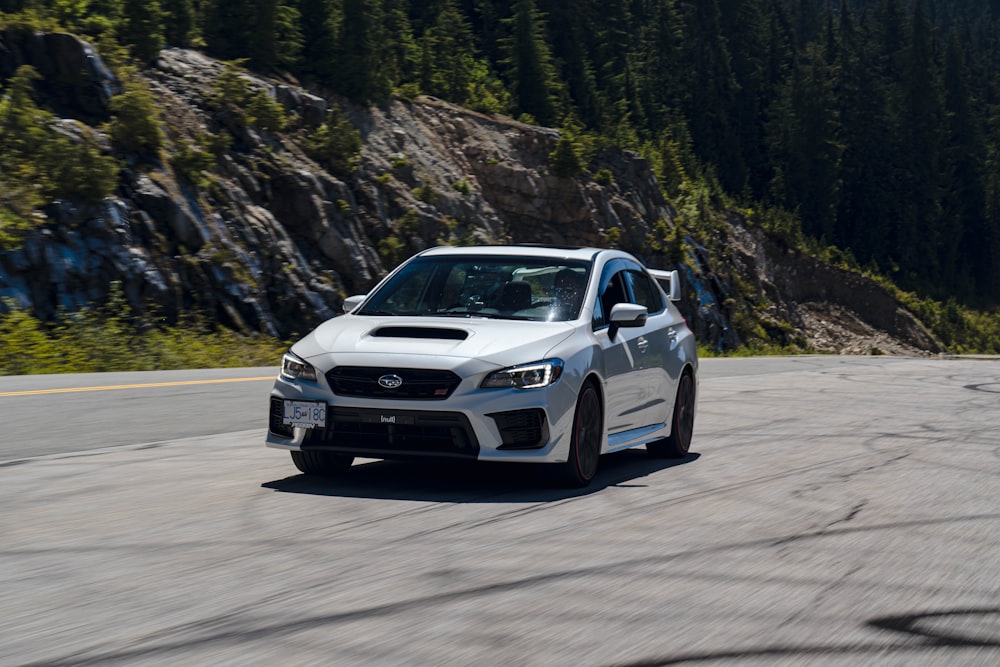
{"x":294,"y":368}
{"x":526,"y":376}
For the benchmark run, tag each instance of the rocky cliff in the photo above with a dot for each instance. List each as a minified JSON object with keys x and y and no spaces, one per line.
{"x":272,"y":242}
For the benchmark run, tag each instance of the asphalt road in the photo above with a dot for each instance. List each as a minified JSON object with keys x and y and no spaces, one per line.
{"x":834,"y":511}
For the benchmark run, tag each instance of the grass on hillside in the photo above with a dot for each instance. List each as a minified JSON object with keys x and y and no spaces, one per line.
{"x":103,"y":339}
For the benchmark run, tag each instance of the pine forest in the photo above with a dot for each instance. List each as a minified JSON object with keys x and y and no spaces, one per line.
{"x":869,"y":126}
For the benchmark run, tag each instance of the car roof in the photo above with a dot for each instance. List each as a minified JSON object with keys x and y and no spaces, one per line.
{"x":561,"y":252}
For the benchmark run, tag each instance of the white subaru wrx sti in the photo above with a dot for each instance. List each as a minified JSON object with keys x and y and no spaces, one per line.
{"x":522,"y":354}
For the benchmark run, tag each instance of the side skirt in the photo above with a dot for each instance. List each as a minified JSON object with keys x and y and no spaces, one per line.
{"x":635,"y":437}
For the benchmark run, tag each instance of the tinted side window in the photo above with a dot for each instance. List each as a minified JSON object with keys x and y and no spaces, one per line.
{"x":599,"y":319}
{"x":614,"y":292}
{"x":644,"y":292}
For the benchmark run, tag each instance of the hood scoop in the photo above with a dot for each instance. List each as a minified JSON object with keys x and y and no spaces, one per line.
{"x":420,"y":332}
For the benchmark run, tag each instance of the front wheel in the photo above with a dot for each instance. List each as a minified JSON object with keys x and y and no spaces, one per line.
{"x":321,"y":463}
{"x":678,"y":442}
{"x":585,"y":443}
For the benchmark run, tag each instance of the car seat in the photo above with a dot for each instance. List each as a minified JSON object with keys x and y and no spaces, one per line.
{"x":516,"y":296}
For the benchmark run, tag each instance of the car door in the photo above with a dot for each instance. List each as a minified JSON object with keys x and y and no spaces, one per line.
{"x":654,"y":342}
{"x":631,"y":359}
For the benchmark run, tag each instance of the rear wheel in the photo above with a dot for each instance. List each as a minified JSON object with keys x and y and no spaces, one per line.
{"x":678,"y":442}
{"x":585,"y":444}
{"x":321,"y":463}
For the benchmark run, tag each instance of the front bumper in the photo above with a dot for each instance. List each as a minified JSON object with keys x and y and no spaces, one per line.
{"x":491,"y":425}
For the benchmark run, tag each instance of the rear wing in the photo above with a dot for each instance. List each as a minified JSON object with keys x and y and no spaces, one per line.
{"x":670,"y":281}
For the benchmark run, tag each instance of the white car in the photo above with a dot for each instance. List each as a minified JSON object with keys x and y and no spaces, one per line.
{"x":521,"y":354}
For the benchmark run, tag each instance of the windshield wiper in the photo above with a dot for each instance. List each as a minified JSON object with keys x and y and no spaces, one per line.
{"x":471,"y":313}
{"x":377,"y":312}
{"x":479,"y":313}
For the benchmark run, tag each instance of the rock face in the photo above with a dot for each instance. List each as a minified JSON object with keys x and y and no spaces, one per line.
{"x":75,"y":81}
{"x":833,"y":309}
{"x":274,"y":243}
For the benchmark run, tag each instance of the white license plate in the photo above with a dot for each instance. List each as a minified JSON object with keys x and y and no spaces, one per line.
{"x":304,"y":414}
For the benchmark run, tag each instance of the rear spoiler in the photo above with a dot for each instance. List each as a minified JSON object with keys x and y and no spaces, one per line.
{"x":670,"y":281}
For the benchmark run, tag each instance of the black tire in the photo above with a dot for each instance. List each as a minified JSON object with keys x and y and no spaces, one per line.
{"x":585,"y":443}
{"x":677,"y":444}
{"x":321,"y":463}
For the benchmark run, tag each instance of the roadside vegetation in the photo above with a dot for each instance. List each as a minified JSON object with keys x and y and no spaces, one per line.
{"x":111,"y":337}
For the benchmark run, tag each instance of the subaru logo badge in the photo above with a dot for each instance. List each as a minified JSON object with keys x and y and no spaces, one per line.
{"x":390,"y":381}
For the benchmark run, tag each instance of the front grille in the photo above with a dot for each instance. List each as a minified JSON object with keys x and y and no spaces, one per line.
{"x":420,"y":384}
{"x":522,"y":429}
{"x":274,"y":421}
{"x":396,"y":433}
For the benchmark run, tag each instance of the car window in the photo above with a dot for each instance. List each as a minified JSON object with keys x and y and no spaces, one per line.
{"x":644,"y":292}
{"x":508,"y":287}
{"x":411,"y":287}
{"x":614,"y":291}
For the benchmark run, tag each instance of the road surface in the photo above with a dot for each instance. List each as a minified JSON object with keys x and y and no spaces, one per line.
{"x":834,"y":511}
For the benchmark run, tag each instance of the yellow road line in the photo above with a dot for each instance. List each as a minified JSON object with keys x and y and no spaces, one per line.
{"x":68,"y":390}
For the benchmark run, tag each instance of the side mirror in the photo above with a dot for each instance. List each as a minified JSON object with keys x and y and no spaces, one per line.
{"x":626,"y":315}
{"x":352,"y":302}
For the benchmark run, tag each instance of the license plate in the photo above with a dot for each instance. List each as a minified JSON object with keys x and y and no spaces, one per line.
{"x":304,"y":414}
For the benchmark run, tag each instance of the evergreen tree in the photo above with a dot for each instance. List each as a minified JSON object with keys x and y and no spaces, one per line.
{"x":179,"y":22}
{"x":808,"y":23}
{"x":864,"y":214}
{"x":360,"y":73}
{"x":804,"y":146}
{"x":569,"y":25}
{"x":709,"y":92}
{"x":263,"y":50}
{"x":447,"y":57}
{"x":402,"y":53}
{"x":965,"y":252}
{"x":658,"y":57}
{"x":143,"y":27}
{"x":917,"y":230}
{"x":613,"y":38}
{"x":529,"y":64}
{"x":288,"y":39}
{"x":229,"y":27}
{"x":320,"y":22}
{"x":749,"y":34}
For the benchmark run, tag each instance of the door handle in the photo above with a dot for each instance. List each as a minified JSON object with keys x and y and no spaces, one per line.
{"x":642,"y":343}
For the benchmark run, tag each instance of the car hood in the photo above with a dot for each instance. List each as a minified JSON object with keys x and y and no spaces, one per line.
{"x":356,"y":339}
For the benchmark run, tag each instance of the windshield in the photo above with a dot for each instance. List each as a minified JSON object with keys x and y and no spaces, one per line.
{"x":516,"y":288}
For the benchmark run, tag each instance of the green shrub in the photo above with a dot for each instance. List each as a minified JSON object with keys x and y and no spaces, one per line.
{"x":612,"y":236}
{"x":426,"y":194}
{"x":110,"y":337}
{"x":191,"y":162}
{"x":80,"y":171}
{"x":392,"y":250}
{"x":565,"y":160}
{"x":409,"y":224}
{"x":136,"y":127}
{"x":336,"y":144}
{"x":13,"y":227}
{"x":42,"y":158}
{"x":604,"y":177}
{"x":265,"y":112}
{"x":233,"y":91}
